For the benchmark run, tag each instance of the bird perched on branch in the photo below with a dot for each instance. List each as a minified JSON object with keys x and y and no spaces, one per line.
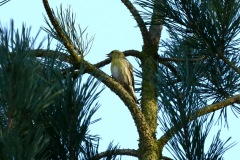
{"x":122,"y":72}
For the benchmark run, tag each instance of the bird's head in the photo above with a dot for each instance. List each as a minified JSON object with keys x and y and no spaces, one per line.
{"x":116,"y":54}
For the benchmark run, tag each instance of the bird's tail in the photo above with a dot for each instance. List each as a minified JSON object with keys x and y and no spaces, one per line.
{"x":131,"y":91}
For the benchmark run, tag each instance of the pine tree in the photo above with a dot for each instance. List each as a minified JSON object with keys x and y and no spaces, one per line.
{"x":47,"y":96}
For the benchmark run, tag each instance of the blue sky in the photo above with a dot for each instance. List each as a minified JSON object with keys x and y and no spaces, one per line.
{"x":114,"y":28}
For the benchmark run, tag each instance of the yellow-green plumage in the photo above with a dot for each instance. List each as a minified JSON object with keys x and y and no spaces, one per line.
{"x":122,"y":71}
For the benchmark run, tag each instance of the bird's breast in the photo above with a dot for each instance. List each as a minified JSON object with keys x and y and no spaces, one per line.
{"x":120,"y":72}
{"x":116,"y":71}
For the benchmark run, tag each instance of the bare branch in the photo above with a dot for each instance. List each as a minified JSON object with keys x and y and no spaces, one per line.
{"x":236,"y":69}
{"x":126,"y":152}
{"x":156,"y":26}
{"x":138,"y":19}
{"x":155,"y":32}
{"x":133,"y":53}
{"x":166,"y":158}
{"x":68,"y":59}
{"x":208,"y":109}
{"x":52,"y":54}
{"x":103,"y":63}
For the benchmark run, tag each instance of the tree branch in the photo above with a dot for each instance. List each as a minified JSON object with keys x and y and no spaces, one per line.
{"x":126,"y":152}
{"x":236,"y":69}
{"x":166,"y":158}
{"x":138,"y":19}
{"x":52,"y":54}
{"x":208,"y":109}
{"x":68,"y":59}
{"x":133,"y":53}
{"x":156,"y":27}
{"x":138,"y":117}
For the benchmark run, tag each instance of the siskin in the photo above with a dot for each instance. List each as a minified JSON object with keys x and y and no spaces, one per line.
{"x":122,"y":72}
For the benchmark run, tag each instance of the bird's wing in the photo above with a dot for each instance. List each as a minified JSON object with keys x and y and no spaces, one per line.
{"x":130,"y":68}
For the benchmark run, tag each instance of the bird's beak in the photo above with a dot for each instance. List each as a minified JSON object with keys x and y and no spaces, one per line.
{"x":109,"y":55}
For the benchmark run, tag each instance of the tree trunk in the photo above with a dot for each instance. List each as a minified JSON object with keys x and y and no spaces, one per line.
{"x":148,"y":145}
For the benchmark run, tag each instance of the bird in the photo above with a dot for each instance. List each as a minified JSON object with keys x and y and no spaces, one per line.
{"x":122,"y":71}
